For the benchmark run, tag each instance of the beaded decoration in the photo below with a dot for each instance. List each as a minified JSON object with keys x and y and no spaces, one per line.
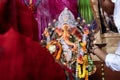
{"x":102,"y":70}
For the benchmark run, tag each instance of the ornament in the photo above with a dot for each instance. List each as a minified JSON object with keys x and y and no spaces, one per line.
{"x":31,"y":5}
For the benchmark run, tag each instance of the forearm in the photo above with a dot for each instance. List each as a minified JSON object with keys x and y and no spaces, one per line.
{"x":99,"y":53}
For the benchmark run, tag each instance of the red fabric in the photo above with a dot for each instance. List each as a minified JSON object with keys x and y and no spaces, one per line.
{"x":13,"y":13}
{"x":21,"y":57}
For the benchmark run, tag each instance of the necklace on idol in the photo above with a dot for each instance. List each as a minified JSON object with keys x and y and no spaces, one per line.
{"x":32,"y":6}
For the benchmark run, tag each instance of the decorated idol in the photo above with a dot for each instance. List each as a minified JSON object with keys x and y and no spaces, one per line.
{"x":67,"y":40}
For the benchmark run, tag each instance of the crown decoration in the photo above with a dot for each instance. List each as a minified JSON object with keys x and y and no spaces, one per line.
{"x":66,"y":17}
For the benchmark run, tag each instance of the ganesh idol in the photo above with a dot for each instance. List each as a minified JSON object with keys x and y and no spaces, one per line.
{"x":67,"y":40}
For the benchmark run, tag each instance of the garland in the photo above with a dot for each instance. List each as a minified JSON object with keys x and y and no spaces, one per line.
{"x":32,"y":6}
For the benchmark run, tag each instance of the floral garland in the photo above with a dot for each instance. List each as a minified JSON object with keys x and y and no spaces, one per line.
{"x":32,"y":6}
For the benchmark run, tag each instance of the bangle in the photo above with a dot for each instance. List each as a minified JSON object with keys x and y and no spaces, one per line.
{"x":93,"y":49}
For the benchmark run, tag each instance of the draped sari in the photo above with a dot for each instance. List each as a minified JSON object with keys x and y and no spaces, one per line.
{"x":21,"y":56}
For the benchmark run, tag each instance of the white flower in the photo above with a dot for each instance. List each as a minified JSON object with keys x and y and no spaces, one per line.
{"x":52,"y":48}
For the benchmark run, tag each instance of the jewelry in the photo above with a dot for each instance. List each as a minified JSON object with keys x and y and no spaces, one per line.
{"x":102,"y":71}
{"x":32,"y":6}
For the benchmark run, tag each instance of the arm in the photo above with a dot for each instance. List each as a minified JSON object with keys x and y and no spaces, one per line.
{"x":98,"y":52}
{"x":112,"y":60}
{"x":116,"y":14}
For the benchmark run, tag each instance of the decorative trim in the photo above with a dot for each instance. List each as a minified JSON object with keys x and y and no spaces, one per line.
{"x":36,"y":4}
{"x":32,"y":6}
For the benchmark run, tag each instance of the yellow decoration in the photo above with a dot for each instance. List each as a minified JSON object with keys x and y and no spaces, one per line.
{"x":82,"y":72}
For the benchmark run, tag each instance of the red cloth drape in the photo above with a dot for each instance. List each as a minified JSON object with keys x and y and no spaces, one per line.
{"x":13,"y":13}
{"x":21,"y":56}
{"x":24,"y":59}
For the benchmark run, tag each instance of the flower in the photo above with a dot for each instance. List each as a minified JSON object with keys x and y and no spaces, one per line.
{"x":52,"y":48}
